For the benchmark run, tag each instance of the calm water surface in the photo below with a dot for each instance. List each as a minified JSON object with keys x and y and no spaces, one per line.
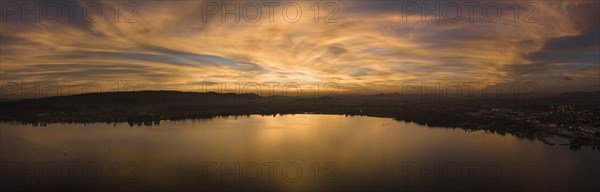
{"x":286,"y":153}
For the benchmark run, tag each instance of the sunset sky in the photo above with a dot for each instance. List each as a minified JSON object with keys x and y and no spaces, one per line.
{"x":365,"y":46}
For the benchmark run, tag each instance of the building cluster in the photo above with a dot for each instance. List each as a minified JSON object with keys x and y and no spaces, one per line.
{"x":565,"y":120}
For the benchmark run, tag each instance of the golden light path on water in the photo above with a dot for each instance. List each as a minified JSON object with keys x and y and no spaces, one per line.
{"x":365,"y":152}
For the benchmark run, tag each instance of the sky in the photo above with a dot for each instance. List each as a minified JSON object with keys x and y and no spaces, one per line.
{"x":360,"y":46}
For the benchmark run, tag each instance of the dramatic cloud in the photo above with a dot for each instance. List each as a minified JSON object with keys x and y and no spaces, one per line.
{"x":360,"y":45}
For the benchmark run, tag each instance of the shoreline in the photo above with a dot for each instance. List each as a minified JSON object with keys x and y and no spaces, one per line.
{"x":545,"y":136}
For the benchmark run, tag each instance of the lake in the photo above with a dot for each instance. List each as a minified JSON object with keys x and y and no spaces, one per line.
{"x":304,"y":152}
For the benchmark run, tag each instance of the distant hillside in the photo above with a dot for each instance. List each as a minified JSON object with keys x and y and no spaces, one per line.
{"x":146,"y":97}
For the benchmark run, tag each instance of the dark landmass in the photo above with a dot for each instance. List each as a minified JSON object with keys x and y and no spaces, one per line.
{"x":564,"y":119}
